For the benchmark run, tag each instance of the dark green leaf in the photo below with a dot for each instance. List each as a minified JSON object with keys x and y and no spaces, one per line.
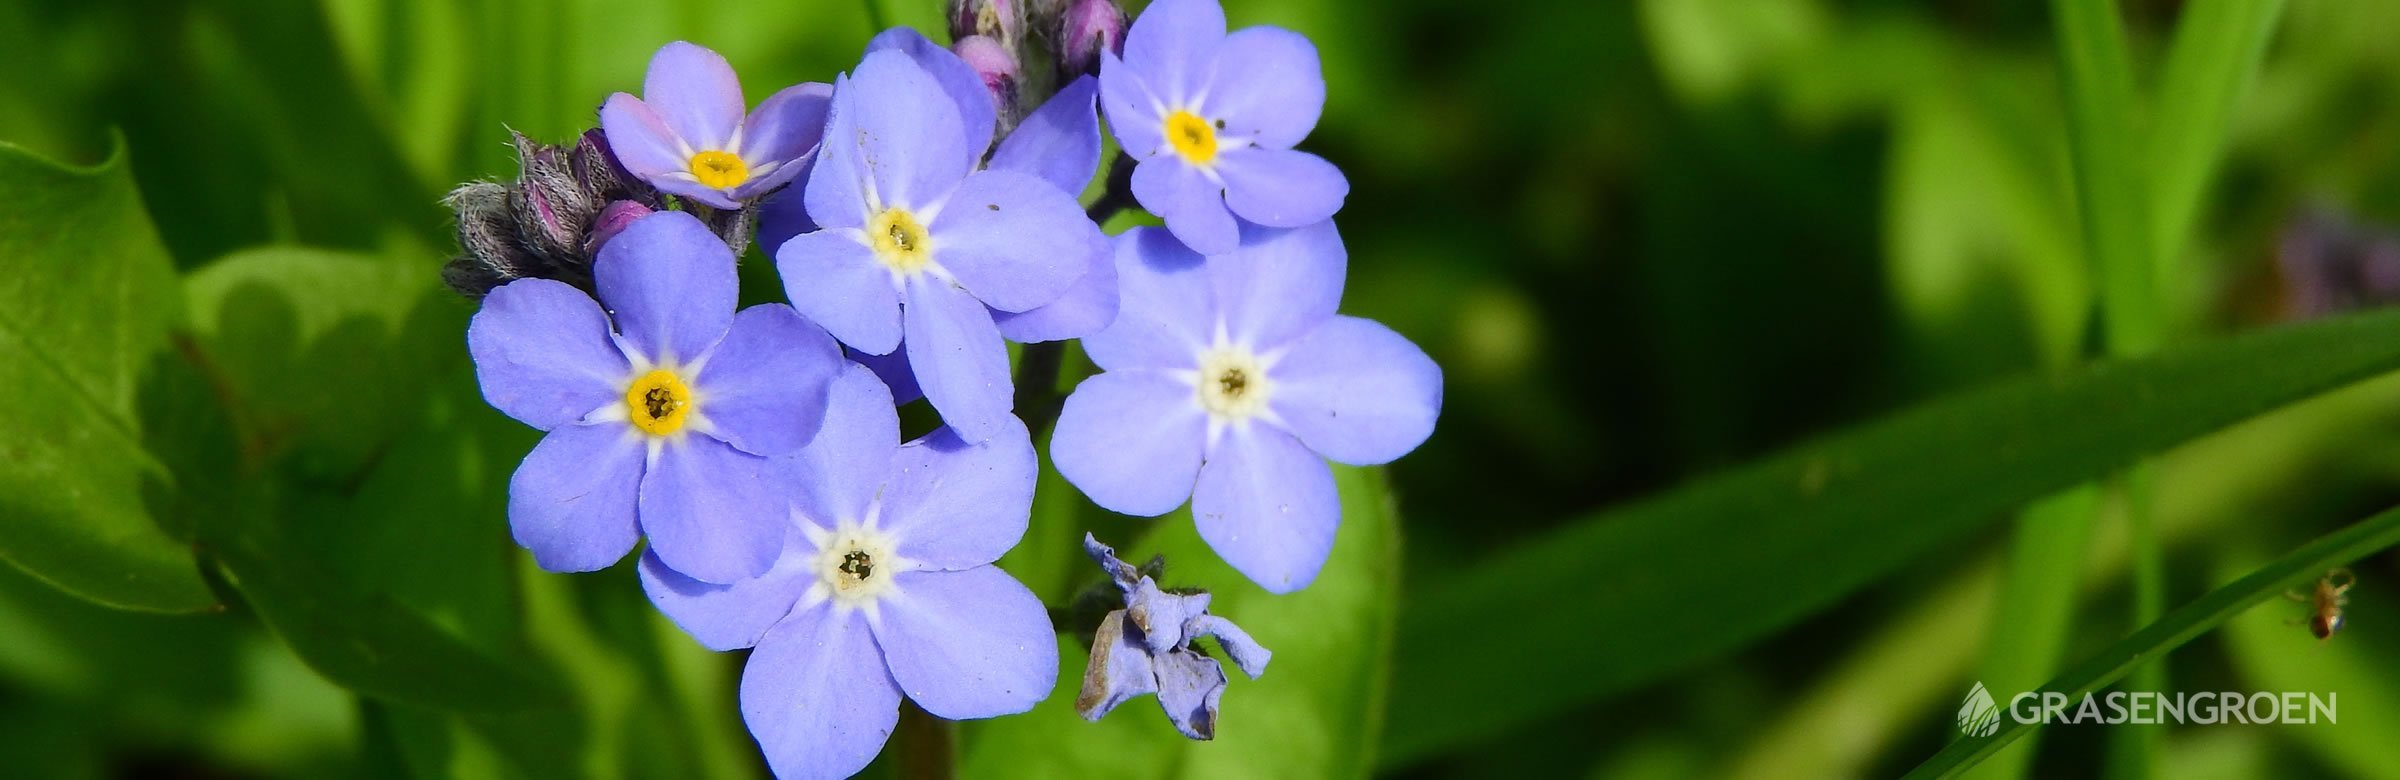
{"x":85,"y":304}
{"x":1626,"y":596}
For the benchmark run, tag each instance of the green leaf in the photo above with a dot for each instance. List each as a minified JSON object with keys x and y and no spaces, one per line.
{"x":2351,"y":543}
{"x":1626,"y":596}
{"x":2214,"y":57}
{"x":84,"y":306}
{"x":2110,"y":184}
{"x":1314,"y":713}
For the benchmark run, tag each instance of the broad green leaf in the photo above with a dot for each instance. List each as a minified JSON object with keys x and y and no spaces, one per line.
{"x":1626,"y":596}
{"x":86,"y":297}
{"x":2303,"y":565}
{"x":1316,"y":711}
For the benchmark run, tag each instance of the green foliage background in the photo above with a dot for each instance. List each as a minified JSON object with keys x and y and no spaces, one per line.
{"x":1808,"y":363}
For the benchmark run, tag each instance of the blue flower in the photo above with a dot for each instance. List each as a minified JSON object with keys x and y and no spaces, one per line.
{"x":1147,"y":648}
{"x":1212,"y":118}
{"x":1230,"y":380}
{"x":687,"y":135}
{"x":660,"y":401}
{"x":914,"y":242}
{"x":886,"y":589}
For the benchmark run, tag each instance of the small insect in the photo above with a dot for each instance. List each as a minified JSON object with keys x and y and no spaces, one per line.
{"x":2326,"y":602}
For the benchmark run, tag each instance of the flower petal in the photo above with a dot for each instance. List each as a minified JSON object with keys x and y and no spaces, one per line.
{"x":905,"y":144}
{"x":640,"y":138}
{"x":670,"y":284}
{"x":763,"y":387}
{"x":1192,"y":205}
{"x":1059,"y":142}
{"x":833,"y":279}
{"x":731,"y":617}
{"x":1247,"y":653}
{"x":1357,"y":392}
{"x":1012,"y":240}
{"x":1173,"y":44}
{"x":709,"y":514}
{"x":956,"y":353}
{"x":1267,"y":506}
{"x":817,"y":696}
{"x":973,"y":643}
{"x":893,"y":370}
{"x":1133,"y":110}
{"x":1268,"y":87}
{"x":959,"y":81}
{"x":1088,"y":307}
{"x":783,"y":131}
{"x":784,"y":214}
{"x":542,"y":353}
{"x":836,"y":477}
{"x":572,"y":501}
{"x":835,"y":194}
{"x":1131,"y":440}
{"x":954,"y":505}
{"x":1281,"y":284}
{"x":1167,"y":306}
{"x":1189,"y":685}
{"x":1119,"y":669}
{"x":1281,"y":187}
{"x":695,"y":91}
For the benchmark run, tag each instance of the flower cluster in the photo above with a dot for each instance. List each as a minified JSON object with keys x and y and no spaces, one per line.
{"x":922,"y":211}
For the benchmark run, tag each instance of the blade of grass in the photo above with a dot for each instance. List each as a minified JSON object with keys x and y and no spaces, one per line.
{"x":2351,"y":543}
{"x":2037,"y":603}
{"x":2210,"y":64}
{"x":1623,"y":597}
{"x":2108,"y":170}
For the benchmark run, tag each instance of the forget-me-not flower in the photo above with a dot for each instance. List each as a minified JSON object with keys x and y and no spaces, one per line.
{"x":1212,"y":118}
{"x":687,"y":135}
{"x":914,"y":242}
{"x":662,"y":404}
{"x":1229,"y":380}
{"x":1147,"y":648}
{"x":886,"y":589}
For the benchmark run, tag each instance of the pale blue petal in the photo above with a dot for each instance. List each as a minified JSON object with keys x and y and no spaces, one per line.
{"x":783,"y":132}
{"x":1192,"y":205}
{"x":903,"y":137}
{"x":640,"y":138}
{"x":1167,"y":310}
{"x":973,"y":643}
{"x":1059,"y":142}
{"x":835,"y":195}
{"x":731,"y":617}
{"x":1356,"y":392}
{"x":1087,"y":308}
{"x":1268,"y":87}
{"x":1267,"y":505}
{"x":1173,"y":44}
{"x":833,"y":279}
{"x":958,"y":79}
{"x":670,"y":284}
{"x":1281,"y":187}
{"x":1280,"y":285}
{"x":1131,"y":440}
{"x":817,"y":696}
{"x":953,"y":505}
{"x":709,"y":513}
{"x":695,"y":91}
{"x":762,"y":389}
{"x":837,"y":476}
{"x":572,"y":501}
{"x":543,"y":355}
{"x":958,"y":358}
{"x":1133,"y":111}
{"x":1012,"y":240}
{"x":1120,"y":669}
{"x":893,"y":370}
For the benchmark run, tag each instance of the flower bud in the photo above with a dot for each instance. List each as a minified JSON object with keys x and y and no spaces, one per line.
{"x":612,"y":220}
{"x":1087,"y":28}
{"x":998,"y":67}
{"x":1000,"y":20}
{"x":549,"y":222}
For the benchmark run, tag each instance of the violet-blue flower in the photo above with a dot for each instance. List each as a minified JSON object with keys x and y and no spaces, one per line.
{"x":886,"y":588}
{"x":1212,"y":118}
{"x":687,"y":135}
{"x":1147,"y":648}
{"x":660,"y":401}
{"x":1229,"y":380}
{"x":914,"y":242}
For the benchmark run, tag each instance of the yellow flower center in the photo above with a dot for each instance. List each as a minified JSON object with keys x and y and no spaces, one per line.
{"x":1193,"y":137}
{"x":658,"y":402}
{"x":899,"y":240}
{"x":719,"y":170}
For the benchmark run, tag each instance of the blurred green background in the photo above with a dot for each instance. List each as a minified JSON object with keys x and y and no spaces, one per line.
{"x":1647,"y":241}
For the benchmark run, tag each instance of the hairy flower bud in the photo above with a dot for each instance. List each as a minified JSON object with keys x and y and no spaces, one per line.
{"x":1000,"y":20}
{"x":548,"y":223}
{"x":998,"y":68}
{"x":1085,"y":29}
